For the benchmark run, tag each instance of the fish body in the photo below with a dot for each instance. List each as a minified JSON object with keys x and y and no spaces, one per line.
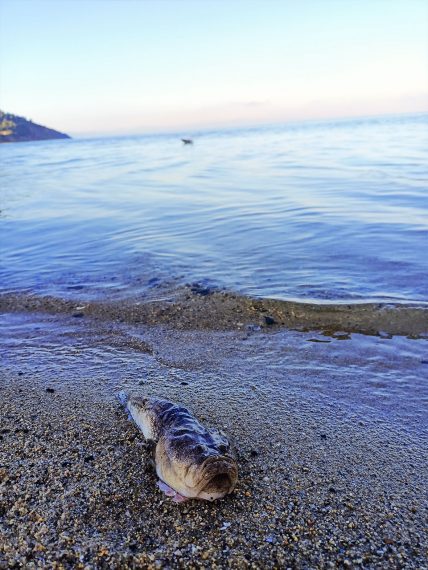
{"x":191,"y":460}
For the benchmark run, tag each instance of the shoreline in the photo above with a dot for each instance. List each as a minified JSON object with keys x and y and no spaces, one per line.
{"x":321,"y":483}
{"x":198,"y":307}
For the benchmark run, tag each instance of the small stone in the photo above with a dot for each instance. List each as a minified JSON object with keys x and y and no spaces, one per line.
{"x":103,"y":551}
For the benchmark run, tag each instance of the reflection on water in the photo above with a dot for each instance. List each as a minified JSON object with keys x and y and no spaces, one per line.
{"x":328,"y":211}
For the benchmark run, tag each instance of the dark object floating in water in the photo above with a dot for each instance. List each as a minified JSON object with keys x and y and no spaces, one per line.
{"x":19,"y":129}
{"x":192,"y":462}
{"x":187,"y":141}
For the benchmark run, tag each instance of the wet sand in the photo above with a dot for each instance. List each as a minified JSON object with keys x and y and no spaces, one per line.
{"x":198,"y":307}
{"x":329,"y":477}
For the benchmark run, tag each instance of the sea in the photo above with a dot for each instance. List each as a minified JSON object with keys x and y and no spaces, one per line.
{"x":328,"y":212}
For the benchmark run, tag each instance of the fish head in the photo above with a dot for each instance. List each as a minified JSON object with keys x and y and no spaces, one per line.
{"x":196,"y":472}
{"x":214,"y":478}
{"x":194,"y":461}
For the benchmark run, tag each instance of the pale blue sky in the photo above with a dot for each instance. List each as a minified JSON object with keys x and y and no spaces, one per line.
{"x":112,"y":66}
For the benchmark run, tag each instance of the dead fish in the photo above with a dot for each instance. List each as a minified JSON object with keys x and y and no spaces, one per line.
{"x":192,"y":462}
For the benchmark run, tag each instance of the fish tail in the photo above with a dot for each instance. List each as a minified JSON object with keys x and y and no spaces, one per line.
{"x":123,"y":398}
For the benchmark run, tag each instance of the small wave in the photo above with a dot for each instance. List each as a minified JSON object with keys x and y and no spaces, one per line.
{"x":199,"y":307}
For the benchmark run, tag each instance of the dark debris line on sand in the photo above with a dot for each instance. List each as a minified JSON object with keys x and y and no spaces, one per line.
{"x":200,"y":307}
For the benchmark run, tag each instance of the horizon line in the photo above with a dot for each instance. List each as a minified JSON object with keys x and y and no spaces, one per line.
{"x":236,"y":127}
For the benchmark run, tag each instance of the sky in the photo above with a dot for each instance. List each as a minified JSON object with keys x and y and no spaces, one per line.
{"x":129,"y":66}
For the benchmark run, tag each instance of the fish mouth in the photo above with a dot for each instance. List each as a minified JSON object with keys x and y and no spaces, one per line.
{"x":219,"y":475}
{"x":219,"y":483}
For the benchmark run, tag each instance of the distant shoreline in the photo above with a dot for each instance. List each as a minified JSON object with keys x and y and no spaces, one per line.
{"x":19,"y":129}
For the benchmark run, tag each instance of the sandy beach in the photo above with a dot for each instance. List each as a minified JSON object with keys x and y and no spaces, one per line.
{"x":222,"y":205}
{"x":329,"y":477}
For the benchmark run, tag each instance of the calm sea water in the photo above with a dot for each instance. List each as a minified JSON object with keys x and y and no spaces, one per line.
{"x":327,"y":211}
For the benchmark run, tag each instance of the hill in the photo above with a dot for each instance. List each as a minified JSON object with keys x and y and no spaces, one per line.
{"x":19,"y":129}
